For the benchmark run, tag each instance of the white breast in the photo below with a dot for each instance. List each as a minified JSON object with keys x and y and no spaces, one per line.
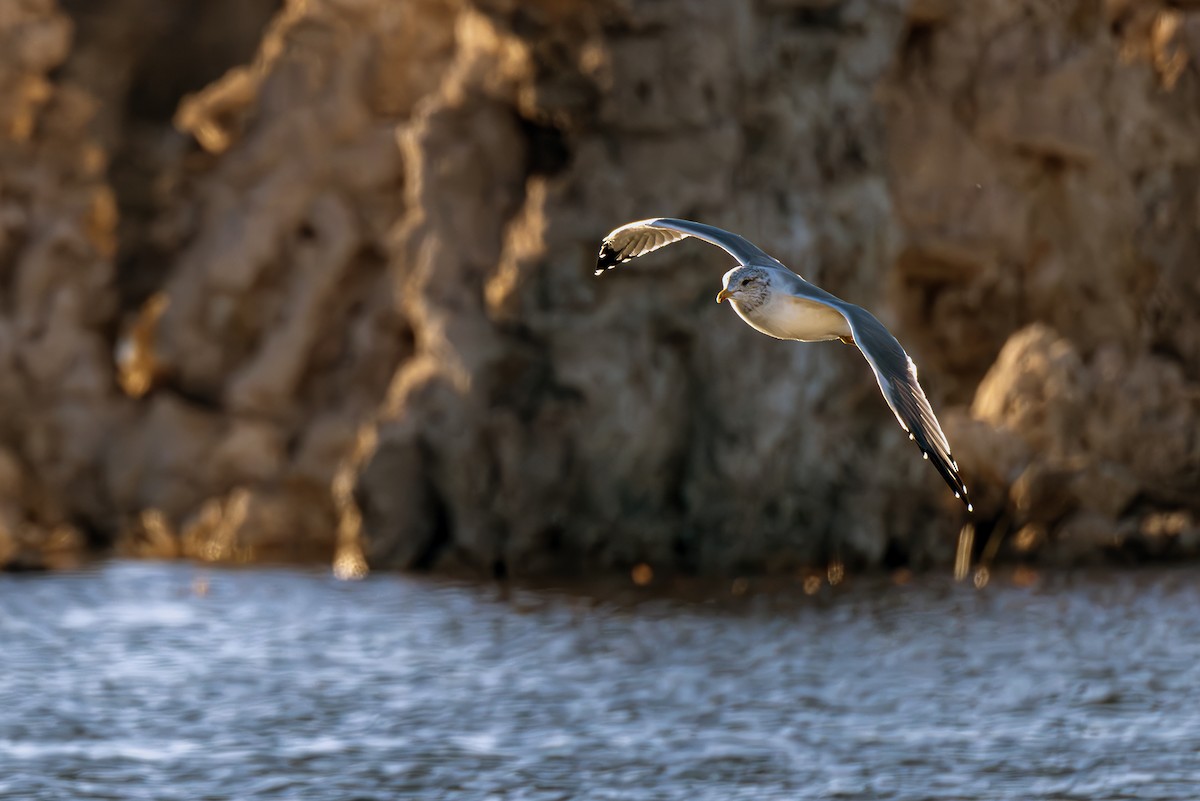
{"x":789,"y":317}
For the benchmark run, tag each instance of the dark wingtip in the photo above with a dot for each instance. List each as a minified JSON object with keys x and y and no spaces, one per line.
{"x":958,"y":485}
{"x":607,"y":259}
{"x":948,"y":469}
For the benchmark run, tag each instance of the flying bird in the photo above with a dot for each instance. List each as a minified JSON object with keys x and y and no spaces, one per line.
{"x":779,"y":303}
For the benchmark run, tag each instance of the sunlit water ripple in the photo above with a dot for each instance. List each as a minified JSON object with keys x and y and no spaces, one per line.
{"x":151,"y":681}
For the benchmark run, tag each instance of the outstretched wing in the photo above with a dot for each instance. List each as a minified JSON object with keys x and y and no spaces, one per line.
{"x":639,"y":238}
{"x":897,"y":377}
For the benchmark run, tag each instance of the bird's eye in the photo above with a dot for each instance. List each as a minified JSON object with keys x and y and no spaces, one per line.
{"x":745,"y":281}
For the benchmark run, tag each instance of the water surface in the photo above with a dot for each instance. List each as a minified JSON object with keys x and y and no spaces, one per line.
{"x":173,"y":681}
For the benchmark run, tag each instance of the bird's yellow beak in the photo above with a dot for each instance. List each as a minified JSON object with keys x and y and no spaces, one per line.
{"x":724,"y":294}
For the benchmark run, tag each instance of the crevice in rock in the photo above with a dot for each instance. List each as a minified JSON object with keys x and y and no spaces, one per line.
{"x":821,"y":17}
{"x":547,"y":150}
{"x":441,"y":529}
{"x":139,"y":58}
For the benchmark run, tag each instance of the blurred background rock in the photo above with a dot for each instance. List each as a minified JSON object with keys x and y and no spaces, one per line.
{"x":311,"y":280}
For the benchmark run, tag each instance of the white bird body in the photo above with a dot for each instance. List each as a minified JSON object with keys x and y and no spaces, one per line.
{"x":779,"y":303}
{"x":785,"y":316}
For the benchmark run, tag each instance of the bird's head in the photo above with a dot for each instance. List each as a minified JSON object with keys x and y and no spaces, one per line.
{"x":746,"y":286}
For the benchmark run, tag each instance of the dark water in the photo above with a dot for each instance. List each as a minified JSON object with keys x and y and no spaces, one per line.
{"x":146,"y":681}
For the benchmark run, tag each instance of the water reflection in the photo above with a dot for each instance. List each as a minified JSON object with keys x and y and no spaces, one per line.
{"x":171,"y":681}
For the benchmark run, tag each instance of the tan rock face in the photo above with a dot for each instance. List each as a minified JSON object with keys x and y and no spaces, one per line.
{"x":1045,"y":165}
{"x":57,"y":237}
{"x":1040,"y":166}
{"x":348,"y":304}
{"x":1005,"y":177}
{"x":277,"y":329}
{"x":1109,"y":438}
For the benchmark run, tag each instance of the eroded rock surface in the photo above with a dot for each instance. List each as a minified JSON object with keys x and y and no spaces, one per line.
{"x":348,"y":306}
{"x":550,"y":420}
{"x":276,"y":333}
{"x":57,"y":238}
{"x":1084,"y":480}
{"x":1046,"y":172}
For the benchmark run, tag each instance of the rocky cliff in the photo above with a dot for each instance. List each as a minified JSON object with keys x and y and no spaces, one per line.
{"x":315,"y":281}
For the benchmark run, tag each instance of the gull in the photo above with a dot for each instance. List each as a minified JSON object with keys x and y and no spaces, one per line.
{"x":779,"y":303}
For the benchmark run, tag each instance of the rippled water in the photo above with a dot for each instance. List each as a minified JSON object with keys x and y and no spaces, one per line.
{"x":150,"y":681}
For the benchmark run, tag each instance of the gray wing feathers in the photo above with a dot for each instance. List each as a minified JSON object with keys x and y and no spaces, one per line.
{"x":897,"y":377}
{"x":644,"y":236}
